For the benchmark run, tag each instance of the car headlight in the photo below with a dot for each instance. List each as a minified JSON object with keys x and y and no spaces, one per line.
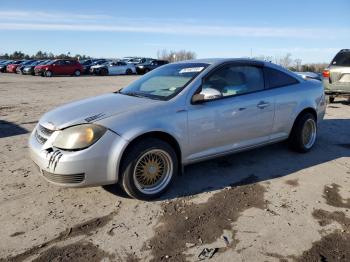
{"x":79,"y":137}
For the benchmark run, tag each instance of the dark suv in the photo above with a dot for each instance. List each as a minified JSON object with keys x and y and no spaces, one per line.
{"x":148,"y":66}
{"x":336,"y":77}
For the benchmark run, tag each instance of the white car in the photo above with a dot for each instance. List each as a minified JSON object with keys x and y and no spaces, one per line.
{"x":113,"y":68}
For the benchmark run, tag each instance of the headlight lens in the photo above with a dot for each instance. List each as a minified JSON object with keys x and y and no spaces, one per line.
{"x":79,"y":137}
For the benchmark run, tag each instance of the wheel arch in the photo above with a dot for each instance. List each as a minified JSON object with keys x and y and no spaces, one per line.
{"x":164,"y":136}
{"x":301,"y":113}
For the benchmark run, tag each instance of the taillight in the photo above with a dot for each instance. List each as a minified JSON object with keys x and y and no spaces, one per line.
{"x":325,"y":73}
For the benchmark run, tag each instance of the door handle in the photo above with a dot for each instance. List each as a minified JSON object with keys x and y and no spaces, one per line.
{"x":263,"y":104}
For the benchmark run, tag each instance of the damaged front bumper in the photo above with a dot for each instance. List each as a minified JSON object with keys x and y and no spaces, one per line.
{"x":93,"y":166}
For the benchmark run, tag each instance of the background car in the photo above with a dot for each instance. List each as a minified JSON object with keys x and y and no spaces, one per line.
{"x":113,"y":68}
{"x":149,"y":66}
{"x":11,"y":68}
{"x":59,"y":67}
{"x":19,"y":69}
{"x":88,"y":63}
{"x":310,"y":75}
{"x":4,"y":64}
{"x":137,"y":60}
{"x":336,"y":77}
{"x":29,"y":69}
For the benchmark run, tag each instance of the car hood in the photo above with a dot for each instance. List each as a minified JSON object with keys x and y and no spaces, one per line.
{"x":93,"y":109}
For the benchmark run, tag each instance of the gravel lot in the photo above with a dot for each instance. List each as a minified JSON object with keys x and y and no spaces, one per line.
{"x":268,"y":204}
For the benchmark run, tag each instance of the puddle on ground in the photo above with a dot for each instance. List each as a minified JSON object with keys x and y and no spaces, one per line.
{"x":292,"y":182}
{"x":77,"y":252}
{"x":185,"y":225}
{"x":87,"y":228}
{"x":332,"y":247}
{"x":333,"y":198}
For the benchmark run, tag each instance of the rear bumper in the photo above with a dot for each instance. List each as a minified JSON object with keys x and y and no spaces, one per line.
{"x":336,"y":88}
{"x":96,"y":165}
{"x":337,"y":93}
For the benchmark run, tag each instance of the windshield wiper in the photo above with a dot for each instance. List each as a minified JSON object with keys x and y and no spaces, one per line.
{"x":132,"y":94}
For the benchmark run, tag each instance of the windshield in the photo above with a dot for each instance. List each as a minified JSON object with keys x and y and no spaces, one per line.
{"x":164,"y":82}
{"x":44,"y":62}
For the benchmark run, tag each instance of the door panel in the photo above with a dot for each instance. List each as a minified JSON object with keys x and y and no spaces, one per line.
{"x":230,"y":124}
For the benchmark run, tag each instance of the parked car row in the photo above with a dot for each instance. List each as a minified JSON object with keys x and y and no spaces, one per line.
{"x":103,"y":67}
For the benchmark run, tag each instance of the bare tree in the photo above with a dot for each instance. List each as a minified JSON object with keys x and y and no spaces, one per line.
{"x":297,"y":64}
{"x":173,"y":56}
{"x":285,"y":61}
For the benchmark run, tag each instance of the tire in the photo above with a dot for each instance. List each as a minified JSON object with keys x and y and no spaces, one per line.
{"x":128,"y":72}
{"x":302,"y":125}
{"x":77,"y":73}
{"x":331,"y":99}
{"x":103,"y":72}
{"x":133,"y":179}
{"x":48,"y":73}
{"x":146,"y":71}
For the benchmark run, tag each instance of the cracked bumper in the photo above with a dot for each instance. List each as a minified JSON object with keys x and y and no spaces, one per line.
{"x":93,"y":166}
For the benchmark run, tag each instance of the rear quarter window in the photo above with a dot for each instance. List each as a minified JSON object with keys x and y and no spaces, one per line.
{"x":342,"y":59}
{"x":275,"y":78}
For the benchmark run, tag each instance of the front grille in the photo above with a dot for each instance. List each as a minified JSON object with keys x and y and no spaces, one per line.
{"x":42,"y":134}
{"x":64,"y":179}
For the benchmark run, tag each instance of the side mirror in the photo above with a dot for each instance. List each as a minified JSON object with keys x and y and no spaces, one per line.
{"x":198,"y":98}
{"x":207,"y":94}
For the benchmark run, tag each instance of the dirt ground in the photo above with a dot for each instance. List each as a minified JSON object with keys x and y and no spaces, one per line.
{"x":268,"y":204}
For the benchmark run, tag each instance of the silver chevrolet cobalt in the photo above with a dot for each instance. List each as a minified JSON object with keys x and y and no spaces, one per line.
{"x":181,"y":113}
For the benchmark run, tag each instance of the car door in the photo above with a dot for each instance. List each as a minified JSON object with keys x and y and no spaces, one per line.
{"x":240,"y":117}
{"x":69,"y":67}
{"x":113,"y":68}
{"x":122,"y":66}
{"x":58,"y":67}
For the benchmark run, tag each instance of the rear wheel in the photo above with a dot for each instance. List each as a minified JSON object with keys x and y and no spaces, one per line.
{"x":128,"y":71}
{"x":331,"y":99}
{"x":77,"y":73}
{"x":148,"y":169}
{"x":48,"y":73}
{"x":304,"y":133}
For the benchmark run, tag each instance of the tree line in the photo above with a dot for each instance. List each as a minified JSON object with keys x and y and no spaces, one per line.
{"x":40,"y":55}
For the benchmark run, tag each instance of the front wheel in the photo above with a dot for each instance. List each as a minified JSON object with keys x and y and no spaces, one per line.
{"x":104,"y":72}
{"x":77,"y":73}
{"x":128,"y":72}
{"x":304,"y":133}
{"x":48,"y":73}
{"x":148,"y":169}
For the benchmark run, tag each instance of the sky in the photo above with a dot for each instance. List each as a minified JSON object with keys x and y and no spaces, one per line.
{"x":311,"y":30}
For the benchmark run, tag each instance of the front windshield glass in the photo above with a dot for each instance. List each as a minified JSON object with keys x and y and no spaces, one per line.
{"x":164,"y":82}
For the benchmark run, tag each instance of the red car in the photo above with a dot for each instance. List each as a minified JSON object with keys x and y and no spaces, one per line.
{"x":11,"y":68}
{"x":59,"y":67}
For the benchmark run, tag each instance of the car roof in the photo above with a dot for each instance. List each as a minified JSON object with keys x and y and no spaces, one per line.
{"x":213,"y":61}
{"x":217,"y":61}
